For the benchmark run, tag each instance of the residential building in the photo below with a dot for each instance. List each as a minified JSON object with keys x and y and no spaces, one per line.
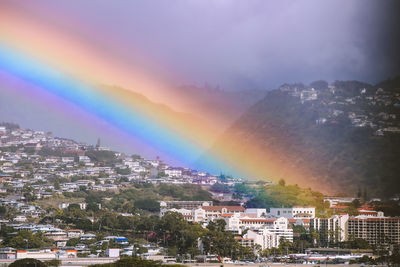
{"x":193,"y":215}
{"x":65,"y":205}
{"x":173,"y":172}
{"x":265,"y":239}
{"x":333,"y":229}
{"x":335,"y":201}
{"x":74,"y":233}
{"x":214,"y":212}
{"x":257,"y":212}
{"x":237,"y":223}
{"x":112,"y":252}
{"x":67,"y":159}
{"x":375,"y":230}
{"x":296,"y":212}
{"x":184,"y":204}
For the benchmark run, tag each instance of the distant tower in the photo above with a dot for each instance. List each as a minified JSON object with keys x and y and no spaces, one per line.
{"x":98,"y":143}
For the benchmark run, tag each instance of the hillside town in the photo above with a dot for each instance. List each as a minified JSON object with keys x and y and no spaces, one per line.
{"x":33,"y":156}
{"x":66,"y":200}
{"x":360,"y":106}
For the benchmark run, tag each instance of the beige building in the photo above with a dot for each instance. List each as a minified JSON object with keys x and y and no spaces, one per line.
{"x":375,"y":230}
{"x":184,"y":204}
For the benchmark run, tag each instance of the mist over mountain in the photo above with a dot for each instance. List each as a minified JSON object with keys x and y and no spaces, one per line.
{"x":225,"y":106}
{"x":346,"y":135}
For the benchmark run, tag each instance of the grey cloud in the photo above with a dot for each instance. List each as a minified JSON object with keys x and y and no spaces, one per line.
{"x":246,"y":43}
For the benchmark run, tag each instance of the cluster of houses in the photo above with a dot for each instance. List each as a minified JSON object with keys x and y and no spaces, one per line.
{"x":25,"y":159}
{"x":22,"y":210}
{"x":60,"y":238}
{"x":383,"y":116}
{"x":268,"y":229}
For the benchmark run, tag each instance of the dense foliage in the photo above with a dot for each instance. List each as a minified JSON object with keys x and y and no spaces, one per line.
{"x":287,"y":196}
{"x":23,"y":239}
{"x":107,"y":157}
{"x":28,"y":263}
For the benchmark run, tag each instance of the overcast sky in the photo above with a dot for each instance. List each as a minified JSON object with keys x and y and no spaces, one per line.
{"x":245,"y":43}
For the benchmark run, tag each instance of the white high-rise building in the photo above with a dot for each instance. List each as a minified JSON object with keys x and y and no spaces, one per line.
{"x":266,"y":235}
{"x":333,"y":229}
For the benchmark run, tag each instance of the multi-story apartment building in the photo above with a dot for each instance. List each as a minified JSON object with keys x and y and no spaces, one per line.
{"x":264,"y":239}
{"x":375,"y":230}
{"x":246,"y":241}
{"x":267,"y":235}
{"x":333,"y":229}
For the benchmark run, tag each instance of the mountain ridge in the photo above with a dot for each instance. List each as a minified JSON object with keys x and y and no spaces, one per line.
{"x":343,"y":137}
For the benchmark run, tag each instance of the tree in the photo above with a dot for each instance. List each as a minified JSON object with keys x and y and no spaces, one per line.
{"x":74,"y":206}
{"x":125,"y":171}
{"x":92,"y":207}
{"x":222,"y":177}
{"x":28,"y":193}
{"x":142,"y":250}
{"x":161,"y":174}
{"x":27,"y":263}
{"x":107,"y":157}
{"x":242,"y":189}
{"x":26,"y":239}
{"x":217,"y":241}
{"x":147,"y":204}
{"x":285,"y":245}
{"x":57,"y":185}
{"x":3,"y":210}
{"x":319,"y":85}
{"x":72,"y":242}
{"x":220,"y":188}
{"x":176,"y":232}
{"x":98,"y":143}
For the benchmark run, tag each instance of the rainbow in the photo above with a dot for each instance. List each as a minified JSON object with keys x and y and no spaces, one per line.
{"x":110,"y":104}
{"x":77,"y":72}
